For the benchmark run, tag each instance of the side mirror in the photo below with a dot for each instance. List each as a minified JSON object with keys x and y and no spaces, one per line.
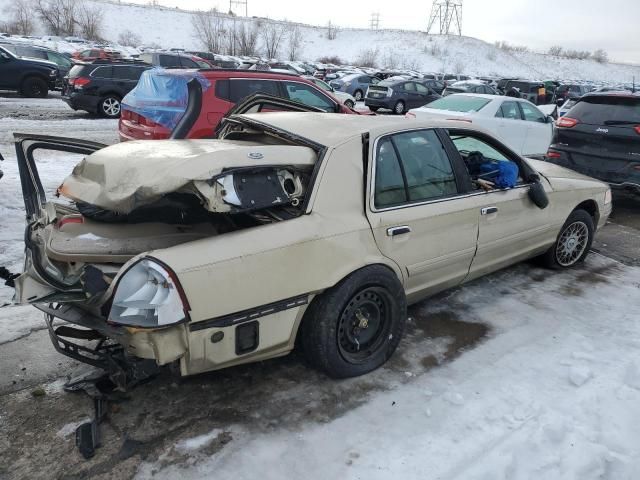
{"x":559,"y":102}
{"x":538,"y":196}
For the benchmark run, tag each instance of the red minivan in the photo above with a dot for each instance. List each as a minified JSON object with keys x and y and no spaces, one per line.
{"x":154,"y":107}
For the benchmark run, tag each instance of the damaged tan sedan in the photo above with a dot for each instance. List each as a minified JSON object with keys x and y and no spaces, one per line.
{"x":304,"y":229}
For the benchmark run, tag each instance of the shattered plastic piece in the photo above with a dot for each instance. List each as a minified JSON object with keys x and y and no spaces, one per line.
{"x":161,"y":95}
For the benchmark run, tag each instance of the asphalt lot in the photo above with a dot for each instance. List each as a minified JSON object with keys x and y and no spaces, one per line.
{"x":37,"y":417}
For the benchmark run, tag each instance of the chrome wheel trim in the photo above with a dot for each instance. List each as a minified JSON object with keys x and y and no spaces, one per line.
{"x":572,"y":244}
{"x":399,"y":107}
{"x":111,"y":106}
{"x":357,"y":95}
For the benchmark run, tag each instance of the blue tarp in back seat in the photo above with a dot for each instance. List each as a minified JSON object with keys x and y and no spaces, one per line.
{"x":161,"y":95}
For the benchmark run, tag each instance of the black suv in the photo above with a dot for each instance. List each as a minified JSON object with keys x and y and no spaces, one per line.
{"x":41,"y":53}
{"x":99,"y":87}
{"x":29,"y":77}
{"x":600,"y":137}
{"x":170,"y":60}
{"x":398,"y":95}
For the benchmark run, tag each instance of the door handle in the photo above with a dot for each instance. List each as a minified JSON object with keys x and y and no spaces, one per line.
{"x":393,"y":231}
{"x":488,"y":210}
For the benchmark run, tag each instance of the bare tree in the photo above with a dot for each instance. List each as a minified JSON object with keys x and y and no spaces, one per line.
{"x":368,"y":58}
{"x":600,"y":56}
{"x":332,"y":31}
{"x":555,"y":50}
{"x":245,"y":41}
{"x":21,"y":22}
{"x":295,"y":42}
{"x":209,"y":30}
{"x":129,"y":39}
{"x":58,"y":16}
{"x":88,"y":20}
{"x":272,"y":35}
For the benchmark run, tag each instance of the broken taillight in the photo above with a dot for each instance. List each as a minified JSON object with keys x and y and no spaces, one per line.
{"x":637,"y":129}
{"x":70,"y":219}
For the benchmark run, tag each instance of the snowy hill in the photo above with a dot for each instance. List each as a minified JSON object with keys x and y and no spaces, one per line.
{"x":169,"y":27}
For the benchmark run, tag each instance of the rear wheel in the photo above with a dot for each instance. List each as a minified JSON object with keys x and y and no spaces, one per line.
{"x":354,"y":327}
{"x":349,"y":104}
{"x":34,"y":87}
{"x":398,"y":109}
{"x":573,"y":242}
{"x":109,"y":106}
{"x":358,"y":95}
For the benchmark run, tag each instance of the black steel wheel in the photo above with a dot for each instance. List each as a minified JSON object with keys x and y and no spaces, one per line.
{"x":356,"y":326}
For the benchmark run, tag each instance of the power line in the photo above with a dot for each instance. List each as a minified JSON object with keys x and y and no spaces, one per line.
{"x":447,"y":16}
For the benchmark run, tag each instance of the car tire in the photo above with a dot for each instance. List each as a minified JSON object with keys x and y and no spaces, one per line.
{"x":358,"y":95}
{"x":573,"y":242}
{"x":110,"y":106}
{"x":398,"y":108}
{"x":374,"y":109}
{"x":34,"y":87}
{"x":335,"y":336}
{"x":349,"y":104}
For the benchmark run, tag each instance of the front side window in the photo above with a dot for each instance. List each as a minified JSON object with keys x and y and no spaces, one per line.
{"x":412,"y":167}
{"x":421,"y":89}
{"x":299,"y":92}
{"x":532,"y":114}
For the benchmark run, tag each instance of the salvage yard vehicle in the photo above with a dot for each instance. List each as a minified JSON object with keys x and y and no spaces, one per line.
{"x":345,"y":98}
{"x":398,"y":95}
{"x":517,"y":122}
{"x":289,"y":229}
{"x":355,"y":84}
{"x":156,"y":104}
{"x":99,"y":87}
{"x":600,"y":136}
{"x":29,"y":77}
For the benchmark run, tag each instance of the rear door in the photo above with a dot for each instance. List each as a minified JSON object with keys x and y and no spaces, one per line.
{"x":510,"y":125}
{"x":539,"y":131}
{"x":605,"y":140}
{"x":419,"y":210}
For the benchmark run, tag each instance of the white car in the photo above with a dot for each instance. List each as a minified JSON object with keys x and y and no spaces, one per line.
{"x":517,"y":122}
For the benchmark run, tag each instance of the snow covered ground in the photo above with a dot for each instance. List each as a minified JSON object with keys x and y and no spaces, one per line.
{"x":169,"y":27}
{"x":554,"y":393}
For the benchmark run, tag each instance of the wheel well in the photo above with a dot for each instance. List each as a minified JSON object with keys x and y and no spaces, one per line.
{"x":317,"y":296}
{"x":33,"y":75}
{"x":591,"y":207}
{"x":114,"y":94}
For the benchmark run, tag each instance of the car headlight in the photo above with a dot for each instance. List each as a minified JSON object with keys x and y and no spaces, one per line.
{"x":53,"y":73}
{"x":607,"y":197}
{"x":148,"y":295}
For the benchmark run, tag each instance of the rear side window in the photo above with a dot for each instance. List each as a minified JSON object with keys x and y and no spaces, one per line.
{"x":102,"y":72}
{"x":412,"y":167}
{"x":188,"y":63}
{"x":240,"y":88}
{"x":133,"y":73}
{"x":607,"y":110}
{"x":170,"y":61}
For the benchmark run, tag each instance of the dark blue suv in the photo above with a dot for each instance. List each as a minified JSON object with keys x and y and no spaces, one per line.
{"x":29,"y":77}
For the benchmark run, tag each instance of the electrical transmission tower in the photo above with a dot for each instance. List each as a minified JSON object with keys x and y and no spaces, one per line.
{"x":447,"y":16}
{"x":238,"y":3}
{"x":375,"y":21}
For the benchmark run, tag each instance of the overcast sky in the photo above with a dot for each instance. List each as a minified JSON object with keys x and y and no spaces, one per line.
{"x":612,"y":25}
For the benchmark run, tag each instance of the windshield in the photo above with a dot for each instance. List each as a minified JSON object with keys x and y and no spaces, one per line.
{"x":459,"y":103}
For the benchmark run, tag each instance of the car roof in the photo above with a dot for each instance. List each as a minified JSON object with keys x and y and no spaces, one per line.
{"x":331,"y":129}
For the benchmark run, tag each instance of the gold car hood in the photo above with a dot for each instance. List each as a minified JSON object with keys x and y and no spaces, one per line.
{"x":551,"y":170}
{"x":125,"y":176}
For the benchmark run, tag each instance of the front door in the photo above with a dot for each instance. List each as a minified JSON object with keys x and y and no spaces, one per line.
{"x":418,"y":209}
{"x":511,"y":226}
{"x":511,"y":128}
